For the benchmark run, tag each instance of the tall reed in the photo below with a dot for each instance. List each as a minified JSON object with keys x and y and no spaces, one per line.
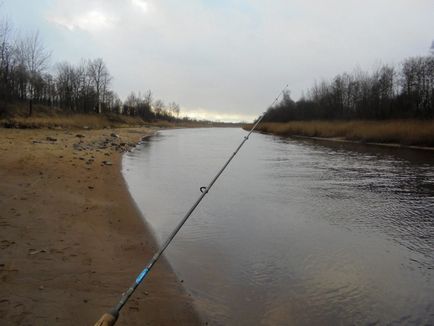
{"x":404,"y":132}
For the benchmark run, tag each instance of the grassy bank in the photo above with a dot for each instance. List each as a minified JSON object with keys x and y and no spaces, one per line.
{"x":99,"y":121}
{"x":403,"y":132}
{"x":57,"y":118}
{"x":87,"y":121}
{"x":53,"y":117}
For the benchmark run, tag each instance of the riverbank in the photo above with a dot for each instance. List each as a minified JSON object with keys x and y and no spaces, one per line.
{"x":54,"y":118}
{"x":414,"y":133}
{"x":71,"y":238}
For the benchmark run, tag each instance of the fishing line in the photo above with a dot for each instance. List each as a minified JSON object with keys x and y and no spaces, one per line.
{"x":111,"y":317}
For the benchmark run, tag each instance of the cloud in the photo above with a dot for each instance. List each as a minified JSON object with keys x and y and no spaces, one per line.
{"x":143,"y":5}
{"x":235,"y":55}
{"x":90,"y":21}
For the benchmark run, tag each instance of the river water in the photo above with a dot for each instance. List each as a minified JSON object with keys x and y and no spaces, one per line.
{"x":296,"y":232}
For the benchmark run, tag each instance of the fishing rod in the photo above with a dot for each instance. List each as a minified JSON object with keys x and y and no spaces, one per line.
{"x":110,"y":318}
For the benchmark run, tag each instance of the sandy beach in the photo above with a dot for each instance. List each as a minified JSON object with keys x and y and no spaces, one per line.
{"x":71,"y":238}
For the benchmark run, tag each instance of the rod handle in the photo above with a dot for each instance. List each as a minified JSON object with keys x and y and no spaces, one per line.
{"x":106,"y":320}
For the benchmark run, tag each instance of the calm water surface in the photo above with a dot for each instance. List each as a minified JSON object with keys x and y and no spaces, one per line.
{"x":295,"y":232}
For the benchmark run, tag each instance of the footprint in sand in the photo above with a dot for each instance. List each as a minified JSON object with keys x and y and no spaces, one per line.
{"x":6,"y":244}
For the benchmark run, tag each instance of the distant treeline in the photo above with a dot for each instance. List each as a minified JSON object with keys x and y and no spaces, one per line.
{"x":406,"y":92}
{"x":83,"y":88}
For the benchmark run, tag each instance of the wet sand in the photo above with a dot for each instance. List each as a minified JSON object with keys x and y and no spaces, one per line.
{"x":71,"y":238}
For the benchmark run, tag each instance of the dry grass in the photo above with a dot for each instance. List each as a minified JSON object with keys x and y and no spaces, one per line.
{"x":16,"y":116}
{"x":91,"y":121}
{"x":404,"y":132}
{"x":52,"y":117}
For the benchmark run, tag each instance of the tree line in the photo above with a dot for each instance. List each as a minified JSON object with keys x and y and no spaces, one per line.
{"x":406,"y":92}
{"x":26,"y":76}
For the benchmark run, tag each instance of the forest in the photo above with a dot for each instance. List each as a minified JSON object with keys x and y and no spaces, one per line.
{"x":26,"y":76}
{"x":403,"y":92}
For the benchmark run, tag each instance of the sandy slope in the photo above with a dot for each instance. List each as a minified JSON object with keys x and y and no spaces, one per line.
{"x":71,"y":239}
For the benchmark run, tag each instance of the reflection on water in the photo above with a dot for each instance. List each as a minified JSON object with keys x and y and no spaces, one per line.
{"x":295,"y":232}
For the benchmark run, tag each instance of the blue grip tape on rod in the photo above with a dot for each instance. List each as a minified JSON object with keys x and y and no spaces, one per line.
{"x":141,"y":275}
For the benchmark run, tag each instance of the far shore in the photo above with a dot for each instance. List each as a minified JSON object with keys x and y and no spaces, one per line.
{"x":71,"y":237}
{"x":415,"y":134}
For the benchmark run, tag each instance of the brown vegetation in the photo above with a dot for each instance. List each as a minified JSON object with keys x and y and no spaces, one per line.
{"x":404,"y":132}
{"x":56,"y":118}
{"x":86,"y":121}
{"x":53,"y":117}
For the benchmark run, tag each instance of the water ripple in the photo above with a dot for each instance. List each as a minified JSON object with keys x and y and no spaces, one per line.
{"x":295,"y":232}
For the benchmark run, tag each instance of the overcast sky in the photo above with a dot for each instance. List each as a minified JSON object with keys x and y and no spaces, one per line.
{"x":227,"y":59}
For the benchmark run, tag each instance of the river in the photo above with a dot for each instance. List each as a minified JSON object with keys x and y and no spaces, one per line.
{"x":295,"y":232}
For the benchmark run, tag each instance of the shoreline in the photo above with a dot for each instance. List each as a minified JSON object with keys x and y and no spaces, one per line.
{"x":406,"y":134}
{"x":72,"y":237}
{"x":343,"y":140}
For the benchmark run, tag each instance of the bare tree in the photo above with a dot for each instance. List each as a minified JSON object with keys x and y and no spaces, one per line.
{"x":174,"y":109}
{"x":33,"y":55}
{"x":100,"y":79}
{"x":6,"y":62}
{"x":148,"y":98}
{"x":417,"y":79}
{"x":159,"y":108}
{"x":64,"y":84}
{"x":131,"y":104}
